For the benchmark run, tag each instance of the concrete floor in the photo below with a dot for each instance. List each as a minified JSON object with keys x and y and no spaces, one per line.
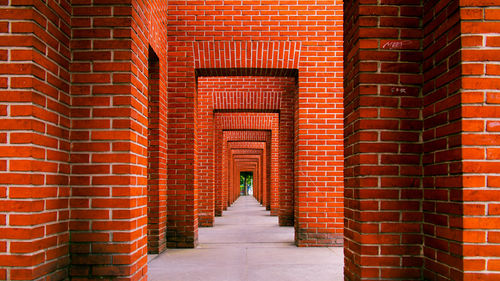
{"x":247,"y":244}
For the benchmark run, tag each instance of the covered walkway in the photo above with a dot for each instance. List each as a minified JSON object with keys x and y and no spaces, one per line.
{"x":247,"y":244}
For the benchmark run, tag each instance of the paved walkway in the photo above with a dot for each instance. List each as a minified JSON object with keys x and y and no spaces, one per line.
{"x":247,"y":244}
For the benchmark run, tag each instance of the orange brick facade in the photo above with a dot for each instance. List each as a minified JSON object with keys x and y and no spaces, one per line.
{"x":124,"y":126}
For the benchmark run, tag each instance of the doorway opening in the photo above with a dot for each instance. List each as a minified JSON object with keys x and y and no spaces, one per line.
{"x":246,"y":183}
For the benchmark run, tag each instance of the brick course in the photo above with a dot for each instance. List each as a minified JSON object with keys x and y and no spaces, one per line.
{"x":383,"y":196}
{"x":418,"y":91}
{"x":479,"y":114}
{"x":35,"y":105}
{"x":125,"y":126}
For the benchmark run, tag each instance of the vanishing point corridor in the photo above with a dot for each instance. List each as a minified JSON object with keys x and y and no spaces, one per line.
{"x":247,"y":244}
{"x":368,"y":133}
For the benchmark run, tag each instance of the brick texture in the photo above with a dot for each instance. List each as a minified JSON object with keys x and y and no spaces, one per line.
{"x":479,"y":113}
{"x":420,"y":83}
{"x":383,"y":127}
{"x":103,"y":137}
{"x":157,"y":188}
{"x":109,"y":160}
{"x":125,"y":126}
{"x":75,"y":139}
{"x":441,"y":137}
{"x":34,"y":139}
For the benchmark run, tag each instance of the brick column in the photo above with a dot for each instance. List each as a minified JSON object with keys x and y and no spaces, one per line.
{"x":274,"y":193}
{"x":264,"y":175}
{"x":182,"y":193}
{"x":382,"y":141}
{"x":266,"y":195}
{"x":219,"y":179}
{"x":480,"y":126}
{"x":225,"y":174}
{"x":318,"y":181}
{"x":34,"y":139}
{"x":109,"y":141}
{"x":157,"y":158}
{"x":286,"y":155}
{"x":461,"y":141}
{"x":230,"y":188}
{"x":206,"y":147}
{"x":442,"y":181}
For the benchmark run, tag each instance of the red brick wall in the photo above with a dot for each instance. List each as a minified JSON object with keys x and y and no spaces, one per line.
{"x":249,"y":166}
{"x":80,"y":133}
{"x":90,"y":91}
{"x":34,"y":139}
{"x":383,"y":219}
{"x":246,"y":166}
{"x":182,"y":194}
{"x":286,"y":147}
{"x":221,"y":168}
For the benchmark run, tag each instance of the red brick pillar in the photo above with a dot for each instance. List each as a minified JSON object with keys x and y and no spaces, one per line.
{"x":206,"y":128}
{"x":442,"y":159}
{"x":266,"y":202}
{"x":34,"y":140}
{"x":230,"y":187}
{"x":480,"y":128}
{"x":383,"y":219}
{"x":256,"y":176}
{"x":274,"y":194}
{"x":236,"y":181}
{"x":109,"y":142}
{"x":286,"y":154}
{"x":262,"y":175}
{"x":318,"y":182}
{"x":225,"y":174}
{"x":461,"y":140}
{"x":263,"y":172}
{"x":157,"y":158}
{"x":182,"y":198}
{"x":219,"y":178}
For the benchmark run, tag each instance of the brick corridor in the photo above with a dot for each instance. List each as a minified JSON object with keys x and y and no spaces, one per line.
{"x":247,"y":244}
